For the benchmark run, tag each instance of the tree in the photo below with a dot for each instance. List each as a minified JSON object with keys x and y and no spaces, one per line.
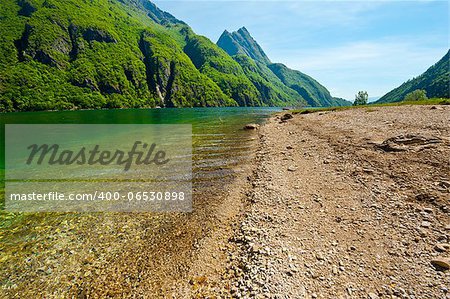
{"x":416,"y":95}
{"x":361,"y":98}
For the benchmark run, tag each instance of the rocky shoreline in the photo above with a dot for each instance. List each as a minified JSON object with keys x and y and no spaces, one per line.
{"x":332,"y":212}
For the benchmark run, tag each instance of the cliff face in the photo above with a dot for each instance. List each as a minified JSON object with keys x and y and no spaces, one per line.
{"x":435,"y":81}
{"x":74,"y":54}
{"x":105,"y":54}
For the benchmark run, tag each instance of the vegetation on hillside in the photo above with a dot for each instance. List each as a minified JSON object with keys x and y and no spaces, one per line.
{"x":221,"y":68}
{"x":315,"y":94}
{"x":104,"y":54}
{"x":416,"y":95}
{"x":435,"y":82}
{"x":84,"y":54}
{"x":271,"y":90}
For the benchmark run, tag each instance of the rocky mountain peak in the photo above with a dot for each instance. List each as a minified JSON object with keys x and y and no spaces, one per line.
{"x":241,"y":42}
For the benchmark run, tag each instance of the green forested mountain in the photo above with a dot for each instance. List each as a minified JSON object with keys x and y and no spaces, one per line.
{"x":76,"y":54}
{"x":435,"y":81}
{"x":313,"y":92}
{"x":221,"y":68}
{"x":73,"y":54}
{"x":287,"y":83}
{"x":271,"y":90}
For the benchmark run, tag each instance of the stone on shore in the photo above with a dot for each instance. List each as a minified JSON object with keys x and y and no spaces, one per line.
{"x":251,"y":127}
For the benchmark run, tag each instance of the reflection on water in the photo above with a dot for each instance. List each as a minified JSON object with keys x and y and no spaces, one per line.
{"x":219,"y":142}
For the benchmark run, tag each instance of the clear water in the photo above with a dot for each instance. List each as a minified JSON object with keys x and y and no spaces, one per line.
{"x":219,"y":142}
{"x":30,"y":240}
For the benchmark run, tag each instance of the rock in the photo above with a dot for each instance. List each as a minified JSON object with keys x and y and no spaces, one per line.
{"x":286,"y":116}
{"x":251,"y":127}
{"x":372,"y":296}
{"x":334,"y":270}
{"x":320,"y":257}
{"x":441,"y":263}
{"x":94,"y":34}
{"x":368,"y":170}
{"x":425,"y":197}
{"x":407,"y":142}
{"x":428,"y":210}
{"x":425,"y":224}
{"x":444,"y":184}
{"x":292,"y":168}
{"x":442,"y":247}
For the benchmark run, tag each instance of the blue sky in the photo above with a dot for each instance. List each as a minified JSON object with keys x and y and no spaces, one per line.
{"x":346,"y":45}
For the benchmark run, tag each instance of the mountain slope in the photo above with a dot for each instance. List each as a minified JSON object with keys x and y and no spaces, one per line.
{"x":435,"y":81}
{"x":221,"y":68}
{"x":313,"y":92}
{"x":106,"y":54}
{"x":271,"y":90}
{"x":72,"y":54}
{"x":288,"y":84}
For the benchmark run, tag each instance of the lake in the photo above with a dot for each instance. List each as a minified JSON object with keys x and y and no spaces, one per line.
{"x":218,"y":138}
{"x":62,"y":242}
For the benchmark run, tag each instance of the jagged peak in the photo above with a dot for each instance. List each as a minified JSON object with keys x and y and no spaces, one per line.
{"x":242,"y":42}
{"x":154,"y":12}
{"x":225,"y":33}
{"x":243,"y":29}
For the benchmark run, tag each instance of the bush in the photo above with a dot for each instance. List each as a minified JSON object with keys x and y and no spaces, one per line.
{"x":416,"y":95}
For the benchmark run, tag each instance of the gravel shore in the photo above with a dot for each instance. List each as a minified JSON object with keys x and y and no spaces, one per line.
{"x":345,"y":204}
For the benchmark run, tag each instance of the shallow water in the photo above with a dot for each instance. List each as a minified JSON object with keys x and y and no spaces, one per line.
{"x":63,"y":241}
{"x":218,"y":138}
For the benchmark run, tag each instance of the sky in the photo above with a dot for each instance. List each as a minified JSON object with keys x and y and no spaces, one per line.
{"x":346,"y":45}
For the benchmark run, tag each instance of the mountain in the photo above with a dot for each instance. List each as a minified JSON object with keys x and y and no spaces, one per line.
{"x":435,"y":81}
{"x":72,"y":54}
{"x":313,"y":92}
{"x":271,"y":90}
{"x":221,"y":68}
{"x":241,"y":42}
{"x":297,"y":86}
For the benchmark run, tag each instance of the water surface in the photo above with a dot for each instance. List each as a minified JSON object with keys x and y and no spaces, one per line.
{"x":218,"y":138}
{"x":46,"y":253}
